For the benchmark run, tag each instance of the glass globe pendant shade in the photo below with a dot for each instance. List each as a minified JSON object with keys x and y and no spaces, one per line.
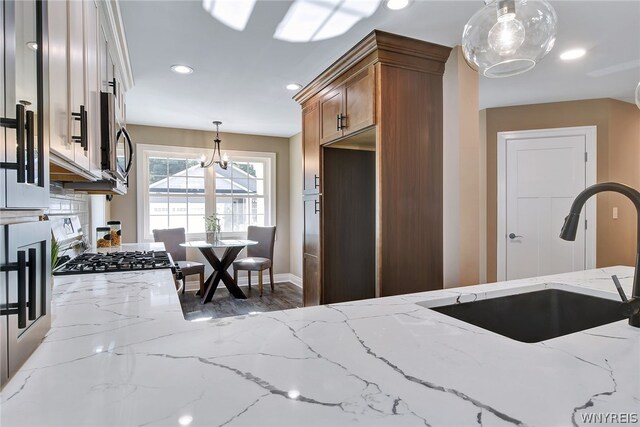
{"x":509,"y":37}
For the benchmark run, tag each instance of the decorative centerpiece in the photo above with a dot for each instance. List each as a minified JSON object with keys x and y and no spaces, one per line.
{"x":212,"y":223}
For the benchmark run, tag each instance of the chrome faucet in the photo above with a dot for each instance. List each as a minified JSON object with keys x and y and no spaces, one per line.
{"x":631,"y":308}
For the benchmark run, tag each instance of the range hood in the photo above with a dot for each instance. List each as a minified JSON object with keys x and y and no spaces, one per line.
{"x":103,"y":186}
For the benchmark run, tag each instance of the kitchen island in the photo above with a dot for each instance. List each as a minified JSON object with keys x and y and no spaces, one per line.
{"x":120,"y":353}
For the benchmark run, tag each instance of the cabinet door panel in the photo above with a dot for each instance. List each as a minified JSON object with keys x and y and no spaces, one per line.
{"x":76,"y":77}
{"x":359,"y":101}
{"x":4,"y":351}
{"x":59,"y":119}
{"x":3,"y":136}
{"x":312,"y":225}
{"x":26,"y":142}
{"x":311,"y":148}
{"x":28,"y":288}
{"x":93,"y":83}
{"x":330,"y":109}
{"x":311,"y":289}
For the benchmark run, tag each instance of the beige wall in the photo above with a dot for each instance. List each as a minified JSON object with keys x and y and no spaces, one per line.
{"x":295,"y":205}
{"x":618,"y":157}
{"x":461,"y":169}
{"x":124,"y":208}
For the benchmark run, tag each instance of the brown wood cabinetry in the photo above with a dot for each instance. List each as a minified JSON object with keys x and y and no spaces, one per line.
{"x":311,"y":148}
{"x":349,"y":107}
{"x":374,"y":227}
{"x":311,"y":290}
{"x":331,"y":114}
{"x":311,"y":250}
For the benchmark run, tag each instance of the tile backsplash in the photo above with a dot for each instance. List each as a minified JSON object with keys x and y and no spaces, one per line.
{"x":66,"y":202}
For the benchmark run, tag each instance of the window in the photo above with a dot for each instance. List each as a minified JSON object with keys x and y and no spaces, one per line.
{"x":240,"y":194}
{"x":177,"y":192}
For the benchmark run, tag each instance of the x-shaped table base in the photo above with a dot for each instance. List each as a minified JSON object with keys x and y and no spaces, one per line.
{"x":220,"y":273}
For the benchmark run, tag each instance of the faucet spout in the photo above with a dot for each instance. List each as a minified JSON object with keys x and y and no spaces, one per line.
{"x":571,"y":222}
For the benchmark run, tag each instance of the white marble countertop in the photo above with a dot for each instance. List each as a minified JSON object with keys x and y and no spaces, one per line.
{"x":120,"y":353}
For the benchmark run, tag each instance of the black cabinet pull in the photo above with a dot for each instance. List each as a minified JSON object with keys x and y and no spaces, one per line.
{"x":114,"y":85}
{"x":33,"y":254}
{"x":316,"y":206}
{"x":338,"y":122}
{"x":316,"y":180}
{"x":82,"y":118}
{"x":85,"y":129}
{"x":31,"y":151}
{"x":20,"y":136}
{"x":22,"y":290}
{"x":44,"y":245}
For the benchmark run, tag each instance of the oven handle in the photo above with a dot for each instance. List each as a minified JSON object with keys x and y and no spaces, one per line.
{"x":124,"y":132}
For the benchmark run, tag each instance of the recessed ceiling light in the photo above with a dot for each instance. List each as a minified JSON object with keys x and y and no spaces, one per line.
{"x":293,"y":394}
{"x":397,"y":4}
{"x":570,"y":55}
{"x":293,"y":86}
{"x":32,"y":45}
{"x":181,"y":69}
{"x":185,"y":420}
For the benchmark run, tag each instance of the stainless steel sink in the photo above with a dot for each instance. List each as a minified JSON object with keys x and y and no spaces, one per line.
{"x":535,"y":316}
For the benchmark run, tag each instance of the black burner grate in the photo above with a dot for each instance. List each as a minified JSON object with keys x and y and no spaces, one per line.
{"x":116,"y":262}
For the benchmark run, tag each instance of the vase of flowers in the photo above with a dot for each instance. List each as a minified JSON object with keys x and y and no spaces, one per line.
{"x":212,"y":223}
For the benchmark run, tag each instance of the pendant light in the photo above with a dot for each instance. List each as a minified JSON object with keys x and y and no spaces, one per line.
{"x":509,"y":37}
{"x":638,"y":95}
{"x":222,"y":161}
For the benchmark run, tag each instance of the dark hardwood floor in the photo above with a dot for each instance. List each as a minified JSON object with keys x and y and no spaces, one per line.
{"x":285,"y":296}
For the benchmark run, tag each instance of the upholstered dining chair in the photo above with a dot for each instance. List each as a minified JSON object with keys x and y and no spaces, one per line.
{"x":172,"y":237}
{"x":259,"y":257}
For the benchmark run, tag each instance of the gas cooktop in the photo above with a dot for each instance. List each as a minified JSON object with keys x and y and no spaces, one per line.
{"x":116,"y":262}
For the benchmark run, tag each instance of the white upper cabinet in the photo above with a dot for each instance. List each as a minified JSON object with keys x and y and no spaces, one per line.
{"x":82,"y":38}
{"x":24,"y":171}
{"x":93,"y":85}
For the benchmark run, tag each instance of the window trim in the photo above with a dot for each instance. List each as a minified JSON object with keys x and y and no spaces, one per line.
{"x":144,"y":151}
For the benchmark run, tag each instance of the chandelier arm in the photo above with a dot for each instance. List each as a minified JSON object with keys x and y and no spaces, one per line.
{"x":216,"y":150}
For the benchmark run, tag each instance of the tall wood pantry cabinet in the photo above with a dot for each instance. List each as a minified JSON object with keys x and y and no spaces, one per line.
{"x":372,"y":147}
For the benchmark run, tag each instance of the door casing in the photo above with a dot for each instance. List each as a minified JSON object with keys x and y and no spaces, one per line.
{"x":589,"y":211}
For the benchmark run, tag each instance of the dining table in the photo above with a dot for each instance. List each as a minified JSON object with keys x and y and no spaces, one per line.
{"x":220,"y":265}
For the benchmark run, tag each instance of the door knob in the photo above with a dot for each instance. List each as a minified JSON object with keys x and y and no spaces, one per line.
{"x":514,"y":236}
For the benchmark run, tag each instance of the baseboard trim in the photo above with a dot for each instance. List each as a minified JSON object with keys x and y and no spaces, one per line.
{"x":194,"y":285}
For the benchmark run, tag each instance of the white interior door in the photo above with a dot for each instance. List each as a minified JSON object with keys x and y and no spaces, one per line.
{"x":543,"y":174}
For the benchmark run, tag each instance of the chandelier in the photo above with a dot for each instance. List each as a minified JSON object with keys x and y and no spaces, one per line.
{"x":222,"y":161}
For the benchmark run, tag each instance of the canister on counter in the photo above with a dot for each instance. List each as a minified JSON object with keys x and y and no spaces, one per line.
{"x":116,"y":232}
{"x":103,"y":237}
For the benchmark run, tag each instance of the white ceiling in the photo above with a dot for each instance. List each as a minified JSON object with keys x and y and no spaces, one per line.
{"x":239,"y":77}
